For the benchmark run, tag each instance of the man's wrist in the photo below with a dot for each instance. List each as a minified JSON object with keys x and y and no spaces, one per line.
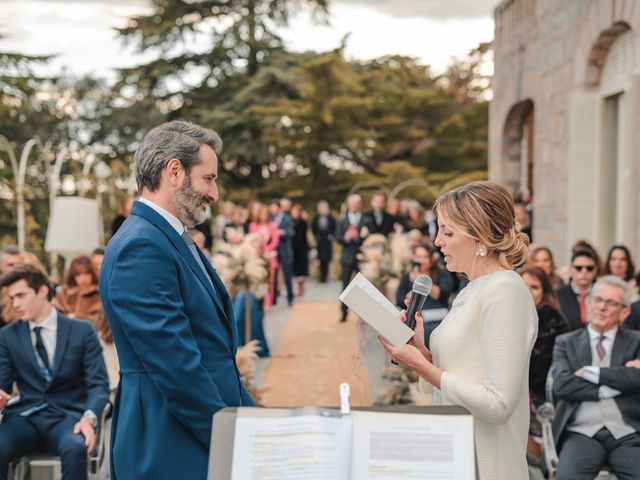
{"x":91,"y":417}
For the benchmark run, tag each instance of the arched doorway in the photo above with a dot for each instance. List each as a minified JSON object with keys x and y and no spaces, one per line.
{"x":518,"y":148}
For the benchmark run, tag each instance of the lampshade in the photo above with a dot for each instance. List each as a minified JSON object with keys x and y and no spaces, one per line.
{"x":74,"y":227}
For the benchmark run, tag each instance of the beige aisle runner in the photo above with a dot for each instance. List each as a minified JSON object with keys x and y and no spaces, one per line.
{"x":315,"y":354}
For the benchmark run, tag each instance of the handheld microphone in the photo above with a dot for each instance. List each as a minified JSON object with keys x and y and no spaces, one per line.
{"x":420,"y":291}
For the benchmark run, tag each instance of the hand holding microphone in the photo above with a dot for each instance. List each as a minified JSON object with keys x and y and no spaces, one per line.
{"x":419,"y":292}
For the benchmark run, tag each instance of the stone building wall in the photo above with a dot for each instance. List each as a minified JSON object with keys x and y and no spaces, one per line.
{"x":549,"y":57}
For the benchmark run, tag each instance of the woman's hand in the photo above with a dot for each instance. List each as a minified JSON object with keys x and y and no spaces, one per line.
{"x":418,"y":339}
{"x":407,"y":355}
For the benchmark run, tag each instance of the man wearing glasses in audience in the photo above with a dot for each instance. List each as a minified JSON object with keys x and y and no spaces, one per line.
{"x":596,"y":374}
{"x":574,"y":296}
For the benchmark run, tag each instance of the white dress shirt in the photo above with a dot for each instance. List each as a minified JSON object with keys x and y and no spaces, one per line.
{"x":168,"y":216}
{"x":49,"y":335}
{"x":592,"y":372}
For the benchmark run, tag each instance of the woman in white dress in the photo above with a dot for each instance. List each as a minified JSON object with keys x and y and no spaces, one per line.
{"x":479,"y":356}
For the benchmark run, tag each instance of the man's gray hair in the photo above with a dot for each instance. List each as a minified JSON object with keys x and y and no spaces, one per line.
{"x":614,"y":281}
{"x":177,"y":139}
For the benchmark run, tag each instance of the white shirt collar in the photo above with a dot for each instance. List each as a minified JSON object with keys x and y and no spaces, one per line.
{"x":169,"y":217}
{"x":51,"y":322}
{"x":609,"y":334}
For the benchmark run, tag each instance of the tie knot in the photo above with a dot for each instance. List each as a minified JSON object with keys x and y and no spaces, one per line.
{"x":37,"y":330}
{"x":187,"y":238}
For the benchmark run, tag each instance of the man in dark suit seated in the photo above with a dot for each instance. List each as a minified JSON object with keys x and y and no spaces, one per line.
{"x":597,"y":384}
{"x":378,"y":220}
{"x":633,"y":320}
{"x":574,"y":296}
{"x":58,"y":366}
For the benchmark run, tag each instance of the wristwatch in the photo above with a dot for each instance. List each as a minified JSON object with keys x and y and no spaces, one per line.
{"x":93,"y":419}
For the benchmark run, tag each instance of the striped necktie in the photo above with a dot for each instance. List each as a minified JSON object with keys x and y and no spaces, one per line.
{"x":194,"y":251}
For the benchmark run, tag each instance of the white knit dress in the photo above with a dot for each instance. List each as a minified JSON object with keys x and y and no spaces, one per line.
{"x":483,"y":347}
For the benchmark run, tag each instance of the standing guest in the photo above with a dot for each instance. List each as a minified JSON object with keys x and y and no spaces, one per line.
{"x":378,"y":220}
{"x":235,"y":231}
{"x":574,"y":296}
{"x":620,"y":264}
{"x":300,"y":247}
{"x":170,"y":315}
{"x":79,"y":296}
{"x":596,"y":383}
{"x":225,"y":218}
{"x":395,"y":212}
{"x":323,"y":226}
{"x":436,"y":306}
{"x":550,"y":325}
{"x":479,"y":356}
{"x":542,"y":257}
{"x":285,"y":246}
{"x":415,"y":218}
{"x":57,"y":365}
{"x":350,"y":233}
{"x":266,"y":231}
{"x":125,"y":211}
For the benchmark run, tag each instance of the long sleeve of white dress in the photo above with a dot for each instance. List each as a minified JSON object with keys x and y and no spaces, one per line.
{"x":483,"y":347}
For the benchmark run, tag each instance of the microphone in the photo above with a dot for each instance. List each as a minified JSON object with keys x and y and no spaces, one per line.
{"x":420,"y":291}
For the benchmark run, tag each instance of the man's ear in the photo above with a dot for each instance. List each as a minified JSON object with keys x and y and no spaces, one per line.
{"x":624,"y":313}
{"x":174,"y":168}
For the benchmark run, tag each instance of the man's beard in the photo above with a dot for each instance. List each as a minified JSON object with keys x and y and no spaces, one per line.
{"x":191,"y":205}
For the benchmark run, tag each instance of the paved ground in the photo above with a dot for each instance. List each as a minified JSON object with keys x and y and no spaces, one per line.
{"x":310,"y":332}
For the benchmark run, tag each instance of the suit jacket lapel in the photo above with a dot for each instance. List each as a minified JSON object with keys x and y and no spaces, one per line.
{"x":148,"y":213}
{"x":620,"y":344}
{"x":583,"y":349}
{"x":62,"y":335}
{"x":26,"y":346}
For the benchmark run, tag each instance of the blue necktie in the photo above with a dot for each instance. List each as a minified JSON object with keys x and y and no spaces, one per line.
{"x":194,"y":251}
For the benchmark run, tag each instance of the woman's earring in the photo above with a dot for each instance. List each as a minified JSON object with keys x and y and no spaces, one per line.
{"x":481,"y":250}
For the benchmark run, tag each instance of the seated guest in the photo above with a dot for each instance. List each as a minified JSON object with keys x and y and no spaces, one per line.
{"x":550,"y":325}
{"x":564,"y":272}
{"x":79,"y":296}
{"x":620,"y":264}
{"x":573,"y":296}
{"x":109,"y":353}
{"x":542,"y":257}
{"x":436,"y":306}
{"x":633,"y":320}
{"x":58,"y":367}
{"x":597,"y":387}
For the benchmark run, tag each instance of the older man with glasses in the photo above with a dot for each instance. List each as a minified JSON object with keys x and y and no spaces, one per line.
{"x":574,"y":296}
{"x":597,"y":384}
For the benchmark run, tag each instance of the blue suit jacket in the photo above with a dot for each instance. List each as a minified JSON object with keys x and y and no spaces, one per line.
{"x":79,"y":376}
{"x":176,"y":342}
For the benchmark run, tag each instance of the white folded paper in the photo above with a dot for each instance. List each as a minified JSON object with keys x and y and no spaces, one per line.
{"x":375,"y":309}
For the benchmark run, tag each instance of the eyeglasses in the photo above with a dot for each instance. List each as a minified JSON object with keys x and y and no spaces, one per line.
{"x":607,"y":301}
{"x":589,"y":268}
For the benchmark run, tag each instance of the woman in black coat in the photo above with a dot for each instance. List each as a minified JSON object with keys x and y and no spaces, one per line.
{"x":300,"y":247}
{"x":551,"y":323}
{"x":324,"y":230}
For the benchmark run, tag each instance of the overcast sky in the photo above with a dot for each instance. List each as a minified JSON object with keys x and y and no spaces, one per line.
{"x":80,"y":31}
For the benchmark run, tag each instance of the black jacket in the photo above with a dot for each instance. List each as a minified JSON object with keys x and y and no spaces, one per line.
{"x":569,"y":307}
{"x":550,"y":325}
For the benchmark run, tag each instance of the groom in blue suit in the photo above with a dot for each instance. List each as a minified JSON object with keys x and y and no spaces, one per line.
{"x":170,"y":314}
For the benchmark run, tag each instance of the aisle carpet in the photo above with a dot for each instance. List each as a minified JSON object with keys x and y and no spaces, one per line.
{"x":314,"y":355}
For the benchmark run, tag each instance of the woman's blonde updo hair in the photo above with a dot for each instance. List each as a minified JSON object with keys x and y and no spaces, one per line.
{"x":485,"y":212}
